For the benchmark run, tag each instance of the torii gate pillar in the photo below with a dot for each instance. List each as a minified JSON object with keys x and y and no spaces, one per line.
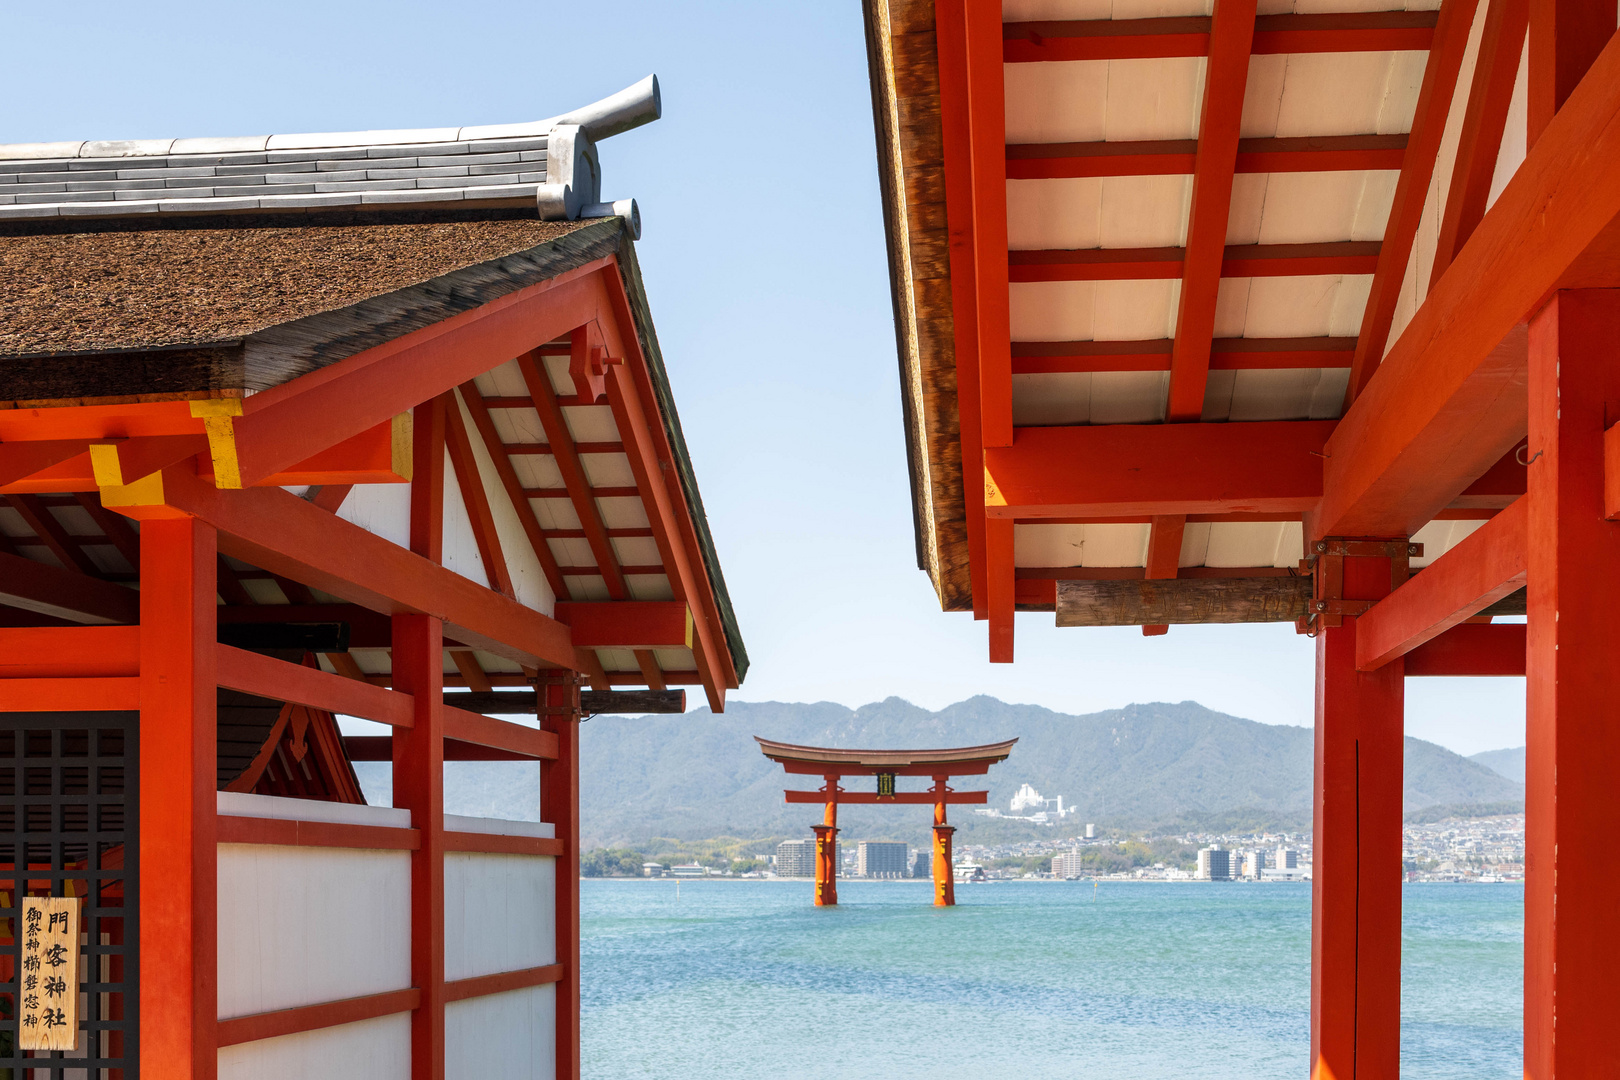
{"x":944,"y":880}
{"x":827,"y":850}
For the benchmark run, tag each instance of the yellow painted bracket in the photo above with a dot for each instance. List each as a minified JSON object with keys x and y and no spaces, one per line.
{"x":219,"y":422}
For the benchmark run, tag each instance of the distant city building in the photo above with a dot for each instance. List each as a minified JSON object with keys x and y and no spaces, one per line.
{"x":652,"y":869}
{"x":1091,"y":831}
{"x":1254,"y":864}
{"x":1287,"y":858}
{"x":1067,"y":864}
{"x":880,"y":859}
{"x":922,"y":866}
{"x":689,"y":870}
{"x":1214,"y":864}
{"x":796,"y":858}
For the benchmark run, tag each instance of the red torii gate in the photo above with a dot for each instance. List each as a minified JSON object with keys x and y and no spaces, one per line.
{"x":833,"y":765}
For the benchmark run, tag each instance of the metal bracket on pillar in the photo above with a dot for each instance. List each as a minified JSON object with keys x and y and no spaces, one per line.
{"x":1325,"y":566}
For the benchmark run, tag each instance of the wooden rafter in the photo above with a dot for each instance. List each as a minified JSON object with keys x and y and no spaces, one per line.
{"x":1164,"y":557}
{"x":470,"y":669}
{"x":515,"y":491}
{"x":51,"y":533}
{"x":1231,"y":37}
{"x":476,"y":500}
{"x":1226,"y":354}
{"x":1167,"y":263}
{"x":1440,"y":73}
{"x":1171,"y":157}
{"x":1189,"y":35}
{"x":330,"y":496}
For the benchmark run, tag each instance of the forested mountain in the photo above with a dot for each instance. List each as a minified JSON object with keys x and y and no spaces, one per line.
{"x":1510,"y":763}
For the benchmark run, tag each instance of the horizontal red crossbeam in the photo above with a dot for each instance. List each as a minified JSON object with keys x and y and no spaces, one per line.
{"x":481,"y":730}
{"x":495,"y":844}
{"x":1146,"y":469}
{"x":61,"y":652}
{"x":1143,"y":264}
{"x":1170,"y":157}
{"x":278,"y":680}
{"x":902,"y":798}
{"x":1131,"y":39}
{"x":64,"y":594}
{"x":329,"y":834}
{"x":1484,"y":567}
{"x":627,"y":624}
{"x":1472,"y":649}
{"x":381,"y":748}
{"x":1226,"y":354}
{"x":70,"y":695}
{"x":501,"y":982}
{"x":270,"y":1025}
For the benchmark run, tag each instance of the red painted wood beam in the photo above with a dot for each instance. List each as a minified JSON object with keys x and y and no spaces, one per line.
{"x":1163,"y":556}
{"x":1472,"y":649}
{"x":279,"y":680}
{"x":502,"y":982}
{"x":1451,"y":32}
{"x":1484,"y":121}
{"x":71,"y":694}
{"x":1131,"y":469}
{"x":271,"y":1025}
{"x":381,"y":747}
{"x":1247,"y":260}
{"x":1001,"y":586}
{"x":1449,"y":399}
{"x":493,"y":844}
{"x":280,"y":532}
{"x":1486,"y":566}
{"x":64,"y":594}
{"x":987,"y":145}
{"x":61,"y":652}
{"x":178,"y":752}
{"x":1226,"y":354}
{"x":1128,"y":39}
{"x":20,"y":460}
{"x":427,"y":480}
{"x":1170,"y":157}
{"x":329,"y":834}
{"x":477,"y":407}
{"x":628,"y":624}
{"x":899,"y":798}
{"x":481,"y":730}
{"x":559,"y":804}
{"x":291,"y":422}
{"x":475,"y":499}
{"x":1571,"y":937}
{"x":1226,"y":77}
{"x":378,"y":455}
{"x":1565,"y":38}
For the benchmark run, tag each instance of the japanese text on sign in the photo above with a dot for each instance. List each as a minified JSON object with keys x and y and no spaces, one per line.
{"x":48,"y":990}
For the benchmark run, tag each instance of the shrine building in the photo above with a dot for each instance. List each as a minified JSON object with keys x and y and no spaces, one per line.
{"x":1217,"y":311}
{"x":293,"y":427}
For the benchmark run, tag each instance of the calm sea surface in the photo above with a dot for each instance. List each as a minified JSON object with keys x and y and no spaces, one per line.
{"x":1022,"y":980}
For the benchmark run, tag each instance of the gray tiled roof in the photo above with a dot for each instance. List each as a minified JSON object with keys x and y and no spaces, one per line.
{"x":489,"y":165}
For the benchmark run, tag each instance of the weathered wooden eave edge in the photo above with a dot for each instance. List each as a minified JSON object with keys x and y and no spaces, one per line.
{"x":905,"y":108}
{"x":630,"y":273}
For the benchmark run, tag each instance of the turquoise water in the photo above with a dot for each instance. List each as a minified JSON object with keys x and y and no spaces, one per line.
{"x":1142,"y":981}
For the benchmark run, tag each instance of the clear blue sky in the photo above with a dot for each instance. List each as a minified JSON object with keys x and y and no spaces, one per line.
{"x":763,"y":257}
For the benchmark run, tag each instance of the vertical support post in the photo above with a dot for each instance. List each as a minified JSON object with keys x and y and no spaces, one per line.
{"x":418,"y":658}
{"x":1356,"y":887}
{"x":1565,"y":38}
{"x":559,"y":804}
{"x":179,"y":999}
{"x":1001,"y":587}
{"x":1571,"y":877}
{"x":826,"y":885}
{"x":944,"y":881}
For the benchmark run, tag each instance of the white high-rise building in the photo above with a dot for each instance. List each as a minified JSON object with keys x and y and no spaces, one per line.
{"x":1091,"y":831}
{"x":796,"y":858}
{"x":1254,"y":864}
{"x":1214,"y":863}
{"x":1068,"y":864}
{"x":1287,"y":858}
{"x":880,"y":859}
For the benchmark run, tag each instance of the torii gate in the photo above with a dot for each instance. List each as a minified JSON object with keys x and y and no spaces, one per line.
{"x":832,"y":765}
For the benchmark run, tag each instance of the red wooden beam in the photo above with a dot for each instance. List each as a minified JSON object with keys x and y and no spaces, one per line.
{"x":1486,"y":566}
{"x":1246,"y":260}
{"x":1170,"y":157}
{"x":1128,"y":39}
{"x":329,"y":834}
{"x":900,"y":798}
{"x":628,"y":624}
{"x":1484,"y":121}
{"x":1130,"y":469}
{"x":475,"y":499}
{"x":1449,"y":399}
{"x":276,"y":530}
{"x":71,"y":694}
{"x":481,"y":730}
{"x":493,"y":844}
{"x":1472,"y":649}
{"x":1231,"y":36}
{"x":378,"y":455}
{"x":1001,"y":586}
{"x":1456,"y":19}
{"x":950,"y":26}
{"x":381,"y":747}
{"x":418,"y":663}
{"x":1565,"y":39}
{"x":500,"y":983}
{"x":271,"y":1025}
{"x":559,"y":804}
{"x":477,"y":407}
{"x":1226,"y":354}
{"x":21,"y":459}
{"x":1163,"y":556}
{"x":279,"y":680}
{"x":61,"y":652}
{"x":987,"y":148}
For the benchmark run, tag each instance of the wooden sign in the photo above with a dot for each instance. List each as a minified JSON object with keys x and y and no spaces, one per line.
{"x":48,"y":998}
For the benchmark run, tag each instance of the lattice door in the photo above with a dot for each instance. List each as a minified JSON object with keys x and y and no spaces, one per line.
{"x":69,"y":827}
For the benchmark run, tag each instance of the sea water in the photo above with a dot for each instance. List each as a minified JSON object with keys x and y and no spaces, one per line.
{"x":1125,"y":981}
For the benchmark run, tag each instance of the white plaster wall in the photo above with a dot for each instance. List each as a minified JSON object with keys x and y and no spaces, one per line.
{"x":500,"y":913}
{"x":378,"y":1049}
{"x":512,"y":1036}
{"x":305,"y":925}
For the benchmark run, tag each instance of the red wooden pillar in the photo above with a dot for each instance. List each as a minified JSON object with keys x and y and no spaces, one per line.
{"x":559,"y":804}
{"x":418,"y":657}
{"x":1571,"y":937}
{"x":1356,"y":883}
{"x":944,"y":878}
{"x":179,"y":997}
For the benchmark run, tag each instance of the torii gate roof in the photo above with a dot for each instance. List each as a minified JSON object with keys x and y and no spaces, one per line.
{"x":825,"y":760}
